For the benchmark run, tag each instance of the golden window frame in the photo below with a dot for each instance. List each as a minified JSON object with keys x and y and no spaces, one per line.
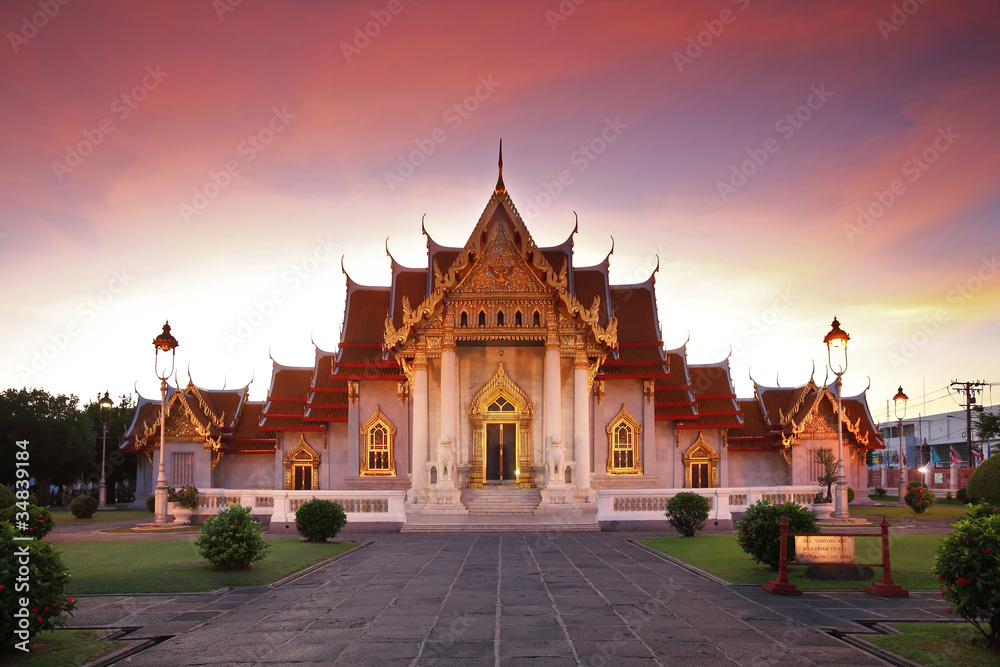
{"x":368,"y":432}
{"x":301,"y":454}
{"x":624,"y":419}
{"x":701,"y":452}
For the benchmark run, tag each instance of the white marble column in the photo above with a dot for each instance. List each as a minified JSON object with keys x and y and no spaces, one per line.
{"x":449,"y":398}
{"x":581,"y":421}
{"x":353,"y":429}
{"x":419,"y":438}
{"x":551,"y":384}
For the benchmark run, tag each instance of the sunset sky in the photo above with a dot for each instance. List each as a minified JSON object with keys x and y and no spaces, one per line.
{"x":210,"y":163}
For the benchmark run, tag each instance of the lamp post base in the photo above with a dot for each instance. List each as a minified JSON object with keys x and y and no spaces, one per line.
{"x":102,"y":496}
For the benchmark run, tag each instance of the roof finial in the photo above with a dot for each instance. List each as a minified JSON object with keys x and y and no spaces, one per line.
{"x":500,"y":186}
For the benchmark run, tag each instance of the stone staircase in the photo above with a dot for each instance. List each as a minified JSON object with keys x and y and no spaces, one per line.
{"x":501,"y":499}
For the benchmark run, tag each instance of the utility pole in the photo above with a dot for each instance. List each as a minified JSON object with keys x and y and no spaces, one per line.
{"x":969,"y":390}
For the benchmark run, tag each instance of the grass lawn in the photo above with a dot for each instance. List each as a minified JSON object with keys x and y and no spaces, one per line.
{"x":937,"y":501}
{"x":175,"y":566}
{"x":936,"y":511}
{"x":721,"y":555}
{"x":62,"y":648}
{"x":63,"y":515}
{"x":937,"y":644}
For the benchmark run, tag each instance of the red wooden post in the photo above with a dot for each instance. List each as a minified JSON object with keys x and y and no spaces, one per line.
{"x":782,"y":586}
{"x":886,"y":587}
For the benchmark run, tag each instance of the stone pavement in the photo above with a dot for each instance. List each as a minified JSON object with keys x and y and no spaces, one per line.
{"x":501,"y":599}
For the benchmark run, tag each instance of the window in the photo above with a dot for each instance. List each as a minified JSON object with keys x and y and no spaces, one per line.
{"x":302,"y":467}
{"x":701,"y":465}
{"x":183,"y":469}
{"x":500,"y":318}
{"x":623,"y":445}
{"x":536,"y":320}
{"x":816,"y":469}
{"x":500,"y":405}
{"x":378,"y":435}
{"x":482,"y":318}
{"x":518,"y":321}
{"x":464,"y":320}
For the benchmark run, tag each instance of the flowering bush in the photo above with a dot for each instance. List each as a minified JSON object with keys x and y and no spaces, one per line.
{"x":687,"y":512}
{"x":39,"y":522}
{"x":968,"y":566}
{"x":231,"y":539}
{"x":83,"y":506}
{"x":759,"y":530}
{"x":319,"y":520}
{"x":919,"y":497}
{"x":48,"y":603}
{"x":186,"y":496}
{"x":984,"y":482}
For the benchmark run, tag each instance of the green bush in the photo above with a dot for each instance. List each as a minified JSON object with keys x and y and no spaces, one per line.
{"x":6,"y":496}
{"x":687,"y":512}
{"x":980,"y":510}
{"x":963,"y":495}
{"x":33,"y":500}
{"x":968,"y":567}
{"x":186,"y":496}
{"x":38,"y":520}
{"x":880,"y":492}
{"x":151,"y":503}
{"x":918,"y":497}
{"x":759,"y":530}
{"x":231,"y":539}
{"x":850,"y":495}
{"x":319,"y":520}
{"x":984,"y":482}
{"x":83,"y":507}
{"x":47,"y":600}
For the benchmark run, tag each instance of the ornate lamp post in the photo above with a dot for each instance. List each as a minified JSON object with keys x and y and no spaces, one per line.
{"x":105,"y":410}
{"x":836,"y":350}
{"x":165,"y":342}
{"x":899,"y":401}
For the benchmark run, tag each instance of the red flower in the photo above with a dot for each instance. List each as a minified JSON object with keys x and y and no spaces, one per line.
{"x":940,"y":577}
{"x":988,"y":551}
{"x":39,"y":619}
{"x":962,"y":581}
{"x":69,"y":600}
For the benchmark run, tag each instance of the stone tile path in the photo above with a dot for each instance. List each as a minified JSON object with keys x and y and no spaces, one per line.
{"x":500,"y":599}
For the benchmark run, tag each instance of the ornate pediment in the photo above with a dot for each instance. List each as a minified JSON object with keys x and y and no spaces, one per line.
{"x":819,"y":424}
{"x":500,"y":269}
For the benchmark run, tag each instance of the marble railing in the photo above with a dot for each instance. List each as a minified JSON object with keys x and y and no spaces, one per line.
{"x":645,"y":505}
{"x":280,"y":505}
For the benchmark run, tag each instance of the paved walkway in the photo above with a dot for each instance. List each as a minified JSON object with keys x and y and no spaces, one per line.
{"x":500,"y":599}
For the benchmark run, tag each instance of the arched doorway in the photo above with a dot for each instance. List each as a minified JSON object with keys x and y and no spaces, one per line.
{"x":500,"y":414}
{"x":701,"y":465}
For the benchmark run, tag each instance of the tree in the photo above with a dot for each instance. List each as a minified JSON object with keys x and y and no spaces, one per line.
{"x":60,"y":436}
{"x":987,"y":426}
{"x":828,"y":465}
{"x":119,"y":466}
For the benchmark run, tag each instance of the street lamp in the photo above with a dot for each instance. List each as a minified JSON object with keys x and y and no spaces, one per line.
{"x":899,"y":401}
{"x":165,"y":342}
{"x":105,"y":412}
{"x":836,"y":354}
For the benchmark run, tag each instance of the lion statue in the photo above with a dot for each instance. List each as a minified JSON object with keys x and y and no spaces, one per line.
{"x":555,"y":461}
{"x":446,"y":460}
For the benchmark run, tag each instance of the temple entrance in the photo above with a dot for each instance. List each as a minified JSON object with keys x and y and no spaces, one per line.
{"x":501,"y":452}
{"x":303,"y":478}
{"x":500,"y":416}
{"x":699,"y":476}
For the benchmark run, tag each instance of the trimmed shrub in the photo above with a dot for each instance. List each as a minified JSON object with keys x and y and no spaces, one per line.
{"x":7,"y":497}
{"x":39,"y":520}
{"x":33,"y":500}
{"x":48,"y":603}
{"x":151,"y":503}
{"x":231,"y":539}
{"x":880,"y":492}
{"x":984,"y":482}
{"x":759,"y":531}
{"x":319,"y":520}
{"x":962,"y":495}
{"x":968,"y":566}
{"x":186,"y":496}
{"x":918,"y":497}
{"x":83,"y":507}
{"x":850,"y":495}
{"x":687,"y":512}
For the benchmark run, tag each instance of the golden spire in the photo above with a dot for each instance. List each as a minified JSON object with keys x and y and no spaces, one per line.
{"x":500,"y":186}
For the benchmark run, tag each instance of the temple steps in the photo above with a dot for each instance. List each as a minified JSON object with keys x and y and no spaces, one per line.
{"x":471,"y":525}
{"x":501,"y":499}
